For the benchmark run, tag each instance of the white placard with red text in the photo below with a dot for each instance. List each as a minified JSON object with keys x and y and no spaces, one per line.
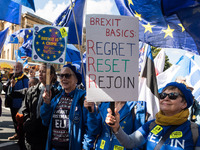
{"x":112,"y":58}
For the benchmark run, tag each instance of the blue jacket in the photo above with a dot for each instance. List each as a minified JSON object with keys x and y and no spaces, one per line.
{"x":20,"y":84}
{"x":106,"y":139}
{"x":77,"y":123}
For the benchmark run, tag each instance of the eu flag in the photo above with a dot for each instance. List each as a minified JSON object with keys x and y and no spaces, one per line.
{"x":65,"y":19}
{"x":25,"y":33}
{"x":27,"y":3}
{"x":3,"y":35}
{"x":164,"y":25}
{"x":10,"y":11}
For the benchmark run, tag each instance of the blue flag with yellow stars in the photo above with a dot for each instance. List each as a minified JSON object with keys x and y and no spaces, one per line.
{"x":65,"y":19}
{"x":27,"y":3}
{"x":25,"y":33}
{"x":3,"y":35}
{"x":166,"y":23}
{"x":10,"y":11}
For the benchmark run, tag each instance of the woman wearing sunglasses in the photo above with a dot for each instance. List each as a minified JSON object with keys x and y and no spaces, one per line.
{"x":65,"y":114}
{"x":171,"y":129}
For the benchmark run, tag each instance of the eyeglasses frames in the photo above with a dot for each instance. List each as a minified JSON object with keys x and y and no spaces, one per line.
{"x":67,"y":75}
{"x":172,"y":96}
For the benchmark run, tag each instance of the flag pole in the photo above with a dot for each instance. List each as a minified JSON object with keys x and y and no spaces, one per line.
{"x":79,"y":46}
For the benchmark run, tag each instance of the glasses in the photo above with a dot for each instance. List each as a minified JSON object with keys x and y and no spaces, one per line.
{"x":67,"y":75}
{"x":172,"y":96}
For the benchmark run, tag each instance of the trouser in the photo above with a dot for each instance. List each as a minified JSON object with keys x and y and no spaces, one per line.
{"x":13,"y":114}
{"x":34,"y":146}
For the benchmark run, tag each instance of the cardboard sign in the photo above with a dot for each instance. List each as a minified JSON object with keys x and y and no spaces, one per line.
{"x":49,"y":44}
{"x":112,"y":58}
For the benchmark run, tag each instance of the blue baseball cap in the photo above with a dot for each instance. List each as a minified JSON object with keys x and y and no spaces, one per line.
{"x":185,"y":91}
{"x":76,"y":72}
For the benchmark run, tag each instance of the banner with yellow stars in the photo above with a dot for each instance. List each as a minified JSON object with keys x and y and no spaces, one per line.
{"x":49,"y":44}
{"x":166,"y":23}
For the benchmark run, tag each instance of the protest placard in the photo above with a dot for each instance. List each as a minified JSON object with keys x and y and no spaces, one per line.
{"x":112,"y":58}
{"x":49,"y":44}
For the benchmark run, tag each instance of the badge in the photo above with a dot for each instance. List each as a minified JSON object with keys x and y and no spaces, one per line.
{"x":176,"y":134}
{"x":156,"y":129}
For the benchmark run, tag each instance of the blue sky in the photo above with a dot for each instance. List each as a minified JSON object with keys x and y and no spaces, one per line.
{"x":50,"y":9}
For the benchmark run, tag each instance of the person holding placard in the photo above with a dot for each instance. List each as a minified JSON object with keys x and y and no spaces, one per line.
{"x":132,"y":115}
{"x":65,"y":115}
{"x":170,"y":130}
{"x":35,"y":131}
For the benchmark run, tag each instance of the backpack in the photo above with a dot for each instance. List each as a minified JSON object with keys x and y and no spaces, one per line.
{"x":194,"y":129}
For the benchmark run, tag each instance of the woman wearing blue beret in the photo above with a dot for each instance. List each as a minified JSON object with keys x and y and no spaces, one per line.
{"x":170,"y":130}
{"x":65,"y":114}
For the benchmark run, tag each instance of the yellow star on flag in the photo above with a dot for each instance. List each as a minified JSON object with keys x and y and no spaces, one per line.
{"x":148,"y":27}
{"x":37,"y":43}
{"x":44,"y":31}
{"x":56,"y":32}
{"x":50,"y":30}
{"x":48,"y":57}
{"x":138,"y":15}
{"x":71,"y":6}
{"x":42,"y":55}
{"x":29,"y":31}
{"x":27,"y":36}
{"x":60,"y":38}
{"x":59,"y":52}
{"x":168,"y":32}
{"x":38,"y":49}
{"x":54,"y":56}
{"x":183,"y":29}
{"x":39,"y":36}
{"x":130,"y":2}
{"x":61,"y":45}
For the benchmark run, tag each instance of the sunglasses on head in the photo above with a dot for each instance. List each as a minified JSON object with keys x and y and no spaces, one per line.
{"x":172,"y":96}
{"x":67,"y":75}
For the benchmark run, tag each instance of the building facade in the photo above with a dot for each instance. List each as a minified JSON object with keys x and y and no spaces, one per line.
{"x":27,"y":21}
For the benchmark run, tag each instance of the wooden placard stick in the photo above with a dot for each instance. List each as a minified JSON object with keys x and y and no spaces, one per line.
{"x":48,"y":73}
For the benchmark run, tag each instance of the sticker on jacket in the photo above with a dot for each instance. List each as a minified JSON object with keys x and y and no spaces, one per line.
{"x":156,"y":130}
{"x":176,"y":134}
{"x":103,"y":142}
{"x":117,"y":147}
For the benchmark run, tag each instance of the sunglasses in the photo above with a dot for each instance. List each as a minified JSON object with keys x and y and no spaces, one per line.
{"x":172,"y":96}
{"x":67,"y":75}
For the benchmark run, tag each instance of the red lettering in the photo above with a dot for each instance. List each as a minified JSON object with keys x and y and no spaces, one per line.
{"x":107,"y":32}
{"x":125,"y":33}
{"x":91,"y":63}
{"x":92,"y":22}
{"x":90,"y":46}
{"x":98,"y":21}
{"x":92,"y":80}
{"x":132,"y":33}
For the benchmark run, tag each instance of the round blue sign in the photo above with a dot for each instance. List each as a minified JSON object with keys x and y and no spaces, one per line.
{"x":49,"y":43}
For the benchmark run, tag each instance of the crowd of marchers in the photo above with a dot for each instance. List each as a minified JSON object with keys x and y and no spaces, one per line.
{"x":58,"y":116}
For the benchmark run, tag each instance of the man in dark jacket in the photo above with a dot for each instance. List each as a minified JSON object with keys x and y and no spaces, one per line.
{"x":18,"y":81}
{"x":35,"y":132}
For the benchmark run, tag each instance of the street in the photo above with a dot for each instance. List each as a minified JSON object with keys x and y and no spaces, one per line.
{"x":6,"y":129}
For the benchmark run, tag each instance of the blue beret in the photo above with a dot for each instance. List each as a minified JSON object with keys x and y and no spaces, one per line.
{"x":73,"y":68}
{"x":185,"y":91}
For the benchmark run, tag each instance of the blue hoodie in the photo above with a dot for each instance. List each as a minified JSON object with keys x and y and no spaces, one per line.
{"x":106,"y":139}
{"x":77,"y":124}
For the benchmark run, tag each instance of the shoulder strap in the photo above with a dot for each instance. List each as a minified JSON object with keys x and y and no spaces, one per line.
{"x":164,"y":138}
{"x":81,"y":100}
{"x":152,"y":124}
{"x":133,"y":112}
{"x":195,"y":131}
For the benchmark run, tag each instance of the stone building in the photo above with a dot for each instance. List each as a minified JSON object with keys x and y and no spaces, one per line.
{"x":27,"y":21}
